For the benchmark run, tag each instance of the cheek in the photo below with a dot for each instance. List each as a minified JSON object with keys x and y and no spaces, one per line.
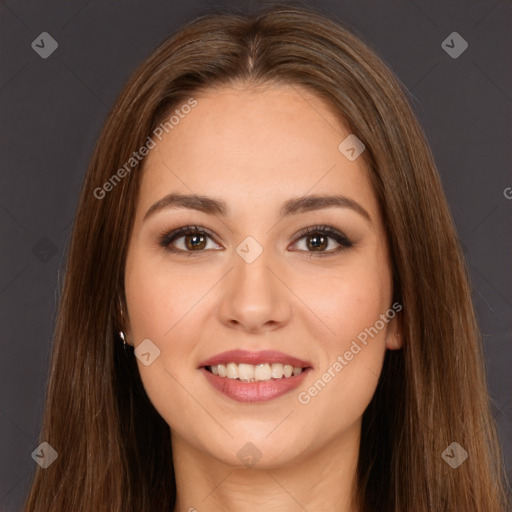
{"x":160,"y":297}
{"x":348,"y":299}
{"x":163,"y":304}
{"x":351,"y":300}
{"x":160,"y":306}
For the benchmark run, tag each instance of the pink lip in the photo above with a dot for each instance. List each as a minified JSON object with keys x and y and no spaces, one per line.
{"x":254,"y":358}
{"x":254,"y":391}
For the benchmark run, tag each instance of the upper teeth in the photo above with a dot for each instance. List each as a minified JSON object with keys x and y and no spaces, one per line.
{"x":251,"y":373}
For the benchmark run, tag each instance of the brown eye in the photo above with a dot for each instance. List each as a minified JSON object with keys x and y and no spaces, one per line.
{"x":193,"y":242}
{"x":319,"y":241}
{"x":187,"y":239}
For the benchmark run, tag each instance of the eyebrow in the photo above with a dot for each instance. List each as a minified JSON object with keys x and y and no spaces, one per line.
{"x":293,"y":206}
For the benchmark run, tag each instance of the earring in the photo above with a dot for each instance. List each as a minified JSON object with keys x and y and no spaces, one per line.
{"x":121,"y":333}
{"x":123,"y":337}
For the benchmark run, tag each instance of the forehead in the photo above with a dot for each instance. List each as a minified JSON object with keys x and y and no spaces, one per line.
{"x":253,"y":148}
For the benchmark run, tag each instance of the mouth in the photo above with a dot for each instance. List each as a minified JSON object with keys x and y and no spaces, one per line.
{"x":254,"y":376}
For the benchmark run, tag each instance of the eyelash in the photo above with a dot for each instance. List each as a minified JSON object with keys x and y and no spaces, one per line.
{"x":166,"y":239}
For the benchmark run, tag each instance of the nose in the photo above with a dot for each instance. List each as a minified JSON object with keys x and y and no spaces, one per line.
{"x":253,"y":296}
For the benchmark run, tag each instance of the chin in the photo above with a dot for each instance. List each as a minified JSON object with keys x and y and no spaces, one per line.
{"x":255,"y":452}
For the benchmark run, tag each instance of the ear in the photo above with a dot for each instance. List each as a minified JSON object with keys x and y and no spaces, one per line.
{"x":394,"y":336}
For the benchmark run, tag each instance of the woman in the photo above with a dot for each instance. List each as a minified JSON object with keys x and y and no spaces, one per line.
{"x":266,"y":305}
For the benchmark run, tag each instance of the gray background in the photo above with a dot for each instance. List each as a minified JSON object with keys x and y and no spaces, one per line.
{"x":52,"y":109}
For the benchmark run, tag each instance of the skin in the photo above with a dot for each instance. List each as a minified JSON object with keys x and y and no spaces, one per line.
{"x":255,"y":149}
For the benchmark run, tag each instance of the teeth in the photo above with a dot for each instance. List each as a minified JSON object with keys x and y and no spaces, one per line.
{"x":262,"y":372}
{"x":277,"y":371}
{"x":245,"y":371}
{"x":232,"y":371}
{"x":254,"y":373}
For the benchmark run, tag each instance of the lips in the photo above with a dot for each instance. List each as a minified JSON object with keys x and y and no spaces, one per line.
{"x":257,"y":391}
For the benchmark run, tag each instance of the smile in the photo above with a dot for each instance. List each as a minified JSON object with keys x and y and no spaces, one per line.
{"x":254,"y":376}
{"x":254,"y":373}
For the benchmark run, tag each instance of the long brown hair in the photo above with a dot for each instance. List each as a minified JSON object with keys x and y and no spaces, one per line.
{"x":114,"y":448}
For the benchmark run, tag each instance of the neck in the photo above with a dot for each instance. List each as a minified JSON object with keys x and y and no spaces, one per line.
{"x":324,"y":479}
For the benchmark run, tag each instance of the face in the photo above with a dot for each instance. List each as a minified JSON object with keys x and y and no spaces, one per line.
{"x":260,"y":280}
